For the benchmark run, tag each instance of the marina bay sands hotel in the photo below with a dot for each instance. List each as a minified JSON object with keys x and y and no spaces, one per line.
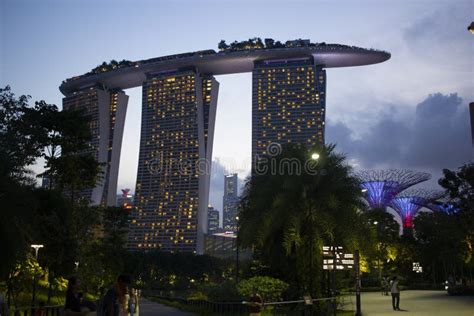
{"x":179,"y":104}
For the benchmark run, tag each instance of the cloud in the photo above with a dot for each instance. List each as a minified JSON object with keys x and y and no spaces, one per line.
{"x":435,"y":135}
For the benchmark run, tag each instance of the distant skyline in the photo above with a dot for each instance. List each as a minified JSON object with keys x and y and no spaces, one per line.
{"x":409,"y":112}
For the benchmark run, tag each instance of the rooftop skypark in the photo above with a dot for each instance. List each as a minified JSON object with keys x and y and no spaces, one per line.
{"x":250,"y":45}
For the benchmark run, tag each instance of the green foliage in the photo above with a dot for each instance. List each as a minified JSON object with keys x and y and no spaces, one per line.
{"x":270,"y":289}
{"x":20,"y":142}
{"x":460,"y":188}
{"x":222,"y":292}
{"x":287,"y":217}
{"x":175,"y":271}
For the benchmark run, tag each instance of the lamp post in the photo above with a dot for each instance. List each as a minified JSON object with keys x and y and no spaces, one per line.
{"x":33,"y":300}
{"x":379,"y":251}
{"x":237,"y":251}
{"x":314,"y":156}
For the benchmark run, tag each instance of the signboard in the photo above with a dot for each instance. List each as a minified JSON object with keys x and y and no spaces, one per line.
{"x":335,"y":257}
{"x":417,"y":268}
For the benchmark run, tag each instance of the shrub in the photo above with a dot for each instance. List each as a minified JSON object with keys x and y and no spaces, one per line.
{"x":270,"y":289}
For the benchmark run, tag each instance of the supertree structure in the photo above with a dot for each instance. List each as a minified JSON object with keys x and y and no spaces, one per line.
{"x":381,"y":186}
{"x":443,"y":205}
{"x":408,"y":203}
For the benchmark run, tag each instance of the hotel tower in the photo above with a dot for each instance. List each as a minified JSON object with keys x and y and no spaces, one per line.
{"x":178,"y":116}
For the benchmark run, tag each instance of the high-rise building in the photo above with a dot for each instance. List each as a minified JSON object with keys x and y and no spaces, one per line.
{"x":212,"y":220}
{"x":288,"y":103}
{"x":230,"y":202}
{"x":107,"y":111}
{"x":471,"y":111}
{"x":173,"y":176}
{"x":179,"y":109}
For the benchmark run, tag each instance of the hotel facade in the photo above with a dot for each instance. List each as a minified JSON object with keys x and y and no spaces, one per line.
{"x":179,"y":103}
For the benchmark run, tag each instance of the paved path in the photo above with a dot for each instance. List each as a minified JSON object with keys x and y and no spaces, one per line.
{"x":416,"y":303}
{"x":149,"y":308}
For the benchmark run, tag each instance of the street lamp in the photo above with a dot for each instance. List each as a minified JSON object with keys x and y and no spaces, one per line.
{"x":237,"y":250}
{"x":36,"y":248}
{"x":315,"y":156}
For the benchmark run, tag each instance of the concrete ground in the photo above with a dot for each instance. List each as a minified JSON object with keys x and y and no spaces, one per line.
{"x":419,"y":303}
{"x":149,"y":308}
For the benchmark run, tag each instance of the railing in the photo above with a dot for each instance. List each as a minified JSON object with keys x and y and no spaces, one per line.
{"x":321,"y":306}
{"x":52,"y":310}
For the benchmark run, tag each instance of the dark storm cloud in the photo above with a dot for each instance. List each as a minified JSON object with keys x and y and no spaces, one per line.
{"x":436,"y":135}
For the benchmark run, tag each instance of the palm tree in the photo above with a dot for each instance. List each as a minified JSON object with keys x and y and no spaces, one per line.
{"x":288,"y":215}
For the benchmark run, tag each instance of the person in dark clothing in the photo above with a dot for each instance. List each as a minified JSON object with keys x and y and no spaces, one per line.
{"x":256,"y":303}
{"x":114,"y":300}
{"x":73,"y":298}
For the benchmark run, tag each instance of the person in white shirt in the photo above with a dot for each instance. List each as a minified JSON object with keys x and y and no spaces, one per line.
{"x":395,"y":293}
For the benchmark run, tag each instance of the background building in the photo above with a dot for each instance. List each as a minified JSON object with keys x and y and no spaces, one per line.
{"x":177,"y":130}
{"x":107,"y":111}
{"x":212,"y":220}
{"x":125,"y":199}
{"x":230,"y":202}
{"x":288,"y":103}
{"x":173,"y":176}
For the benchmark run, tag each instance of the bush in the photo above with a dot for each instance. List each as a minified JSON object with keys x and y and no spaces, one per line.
{"x":222,"y":292}
{"x":270,"y":289}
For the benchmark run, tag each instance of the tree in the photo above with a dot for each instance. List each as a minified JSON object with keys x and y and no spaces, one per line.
{"x":460,"y":188}
{"x":439,"y":243}
{"x":291,"y":215}
{"x":20,"y":145}
{"x":269,"y":42}
{"x":270,"y":289}
{"x":19,"y":141}
{"x":30,"y":215}
{"x":222,"y":45}
{"x":387,"y":231}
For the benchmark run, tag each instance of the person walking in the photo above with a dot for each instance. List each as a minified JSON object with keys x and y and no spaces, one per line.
{"x":132,"y":303}
{"x":115,"y":300}
{"x":395,"y":291}
{"x":256,"y":303}
{"x":75,"y":303}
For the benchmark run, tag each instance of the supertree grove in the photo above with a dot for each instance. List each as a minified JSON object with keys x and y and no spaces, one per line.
{"x":381,"y":186}
{"x":408,"y":203}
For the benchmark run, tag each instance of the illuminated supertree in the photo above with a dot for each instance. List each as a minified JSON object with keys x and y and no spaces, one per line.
{"x":443,"y":205}
{"x":408,"y":203}
{"x":381,"y":186}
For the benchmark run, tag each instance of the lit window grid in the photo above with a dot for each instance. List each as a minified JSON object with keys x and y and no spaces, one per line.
{"x":288,"y":105}
{"x":168,"y":202}
{"x":88,"y":99}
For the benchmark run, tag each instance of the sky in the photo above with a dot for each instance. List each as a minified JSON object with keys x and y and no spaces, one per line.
{"x":409,"y":112}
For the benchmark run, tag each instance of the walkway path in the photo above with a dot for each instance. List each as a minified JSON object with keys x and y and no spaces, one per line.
{"x":149,"y":308}
{"x":417,"y":303}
